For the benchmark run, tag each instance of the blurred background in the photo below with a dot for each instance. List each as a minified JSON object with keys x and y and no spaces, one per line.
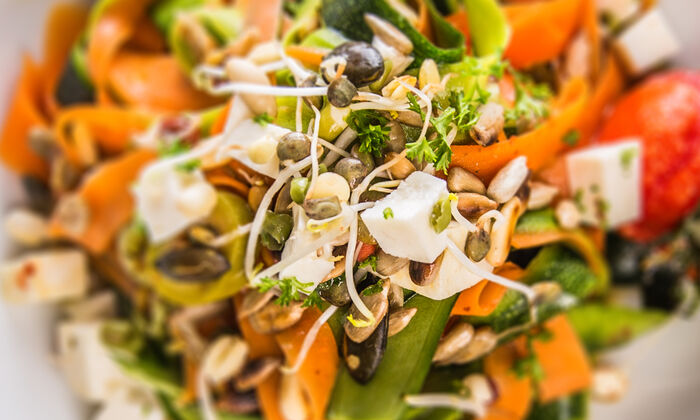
{"x":661,"y":366}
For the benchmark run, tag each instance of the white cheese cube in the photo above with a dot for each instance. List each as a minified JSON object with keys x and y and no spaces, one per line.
{"x":309,"y":269}
{"x":255,"y":146}
{"x":45,"y":276}
{"x":452,"y":276}
{"x":648,"y":42}
{"x":86,"y":362}
{"x":400,"y":222}
{"x":606,"y":182}
{"x":169,"y":199}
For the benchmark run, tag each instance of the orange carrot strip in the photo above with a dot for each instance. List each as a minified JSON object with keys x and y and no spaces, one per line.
{"x":514,"y":393}
{"x":63,"y":28}
{"x":23,"y":113}
{"x":114,"y":27}
{"x":461,"y":23}
{"x":540,"y":146}
{"x":223,"y":180}
{"x":564,"y":361}
{"x":147,"y":37}
{"x":112,"y":128}
{"x":317,"y":373}
{"x":263,"y":16}
{"x":155,"y":82}
{"x":608,"y":87}
{"x":107,"y":194}
{"x":220,"y":123}
{"x":541,"y":30}
{"x":307,"y":55}
{"x":482,"y":298}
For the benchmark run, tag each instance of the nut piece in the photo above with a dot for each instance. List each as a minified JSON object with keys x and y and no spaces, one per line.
{"x":478,"y":245}
{"x":489,"y":125}
{"x":396,"y":90}
{"x":428,"y":74}
{"x":461,"y":180}
{"x":473,"y":205}
{"x":255,"y":372}
{"x":253,"y":301}
{"x":378,"y":304}
{"x":330,"y":184}
{"x":501,"y":233}
{"x":401,"y":169}
{"x":567,"y":214}
{"x":423,"y":274}
{"x":273,"y":318}
{"x":456,"y":339}
{"x":26,"y":227}
{"x":541,"y":195}
{"x":242,"y":70}
{"x":399,"y":319}
{"x":508,"y":180}
{"x":72,"y":214}
{"x":389,"y":33}
{"x":388,"y":264}
{"x":479,"y":388}
{"x":483,"y":342}
{"x":610,"y":384}
{"x":224,"y":359}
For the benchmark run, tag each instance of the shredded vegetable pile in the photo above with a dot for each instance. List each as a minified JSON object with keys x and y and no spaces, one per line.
{"x":353,"y":209}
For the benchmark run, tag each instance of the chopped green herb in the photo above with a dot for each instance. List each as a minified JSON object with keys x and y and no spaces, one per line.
{"x":263,"y":119}
{"x":190,"y":166}
{"x":370,"y":262}
{"x":595,"y":188}
{"x":578,"y":200}
{"x":373,"y":289}
{"x":531,"y":105}
{"x":176,"y":147}
{"x":627,"y":157}
{"x":372,"y":130}
{"x":572,"y":137}
{"x":313,"y":299}
{"x":388,"y":213}
{"x":290,"y":289}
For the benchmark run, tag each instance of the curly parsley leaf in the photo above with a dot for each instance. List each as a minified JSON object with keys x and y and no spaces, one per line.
{"x":373,"y":289}
{"x":372,"y":130}
{"x":290,"y":289}
{"x":313,"y":299}
{"x":263,"y":119}
{"x":370,"y":262}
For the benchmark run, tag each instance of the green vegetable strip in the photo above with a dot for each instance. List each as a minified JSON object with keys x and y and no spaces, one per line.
{"x":405,"y":365}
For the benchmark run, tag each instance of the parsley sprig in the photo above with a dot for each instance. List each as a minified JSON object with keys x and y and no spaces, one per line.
{"x":531,"y":104}
{"x":372,"y":130}
{"x":459,"y":112}
{"x":290,"y":291}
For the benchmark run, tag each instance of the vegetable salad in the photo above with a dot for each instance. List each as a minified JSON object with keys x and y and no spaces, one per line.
{"x":353,"y":209}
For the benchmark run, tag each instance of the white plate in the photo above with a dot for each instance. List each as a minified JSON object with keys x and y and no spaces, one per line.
{"x":664,"y":380}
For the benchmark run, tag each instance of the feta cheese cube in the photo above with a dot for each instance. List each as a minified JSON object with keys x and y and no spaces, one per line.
{"x":255,"y":146}
{"x":452,"y":276}
{"x":309,"y":269}
{"x":86,"y":362}
{"x":400,"y":222}
{"x":606,"y":182}
{"x":647,"y":43}
{"x":169,"y":199}
{"x":45,"y":276}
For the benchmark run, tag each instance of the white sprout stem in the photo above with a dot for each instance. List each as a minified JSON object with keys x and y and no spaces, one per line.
{"x":298,"y":253}
{"x":458,"y":402}
{"x":332,"y":147}
{"x":429,"y":110}
{"x":377,"y":106}
{"x":381,"y":190}
{"x":262,"y":210}
{"x":298,"y":71}
{"x":379,"y":99}
{"x":228,"y":237}
{"x":362,"y":206}
{"x":309,"y":340}
{"x":206,"y":404}
{"x":492,"y":214}
{"x":350,"y":276}
{"x":208,"y":70}
{"x":357,"y":192}
{"x":385,"y":184}
{"x":298,"y":122}
{"x":461,"y":219}
{"x":240,"y":87}
{"x":478,"y":271}
{"x":343,"y":141}
{"x":199,"y":151}
{"x":314,"y":151}
{"x":273,"y":66}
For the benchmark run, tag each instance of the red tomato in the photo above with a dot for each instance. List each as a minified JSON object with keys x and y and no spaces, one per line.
{"x":664,"y":112}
